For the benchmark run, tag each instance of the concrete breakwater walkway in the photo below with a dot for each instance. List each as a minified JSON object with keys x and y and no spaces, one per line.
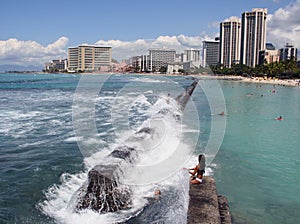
{"x":206,"y":206}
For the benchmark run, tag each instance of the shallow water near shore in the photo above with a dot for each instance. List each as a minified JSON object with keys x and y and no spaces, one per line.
{"x":259,"y":160}
{"x":257,"y":166}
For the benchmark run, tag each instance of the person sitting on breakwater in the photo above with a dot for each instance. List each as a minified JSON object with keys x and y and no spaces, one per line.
{"x":198,"y":171}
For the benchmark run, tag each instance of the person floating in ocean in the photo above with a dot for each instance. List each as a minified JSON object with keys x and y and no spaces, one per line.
{"x":279,"y":118}
{"x":222,"y":113}
{"x":168,"y":98}
{"x":198,"y":171}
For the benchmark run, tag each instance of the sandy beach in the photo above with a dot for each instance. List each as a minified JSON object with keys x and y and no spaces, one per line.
{"x":262,"y":80}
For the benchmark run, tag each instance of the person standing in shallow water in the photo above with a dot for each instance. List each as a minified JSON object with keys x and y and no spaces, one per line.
{"x":198,"y":171}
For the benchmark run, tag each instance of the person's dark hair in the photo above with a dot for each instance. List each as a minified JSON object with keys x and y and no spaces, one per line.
{"x":199,"y":158}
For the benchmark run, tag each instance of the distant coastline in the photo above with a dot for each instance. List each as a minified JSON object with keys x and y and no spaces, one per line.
{"x":258,"y":80}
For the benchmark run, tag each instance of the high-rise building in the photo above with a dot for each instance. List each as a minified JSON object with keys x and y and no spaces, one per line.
{"x":210,"y":53}
{"x":192,"y":55}
{"x":289,"y":52}
{"x":230,"y":34}
{"x":89,"y":58}
{"x":140,"y":63}
{"x":160,"y":57}
{"x":253,"y":36}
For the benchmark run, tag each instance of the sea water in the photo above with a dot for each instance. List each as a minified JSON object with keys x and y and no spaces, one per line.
{"x":257,"y":166}
{"x":259,"y":161}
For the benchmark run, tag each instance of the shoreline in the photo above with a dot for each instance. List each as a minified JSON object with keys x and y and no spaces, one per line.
{"x":257,"y":80}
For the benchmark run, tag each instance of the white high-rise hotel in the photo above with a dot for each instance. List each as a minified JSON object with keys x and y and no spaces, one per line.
{"x":242,"y":40}
{"x":230,"y":40}
{"x":253,"y":36}
{"x":160,"y":57}
{"x":89,"y":58}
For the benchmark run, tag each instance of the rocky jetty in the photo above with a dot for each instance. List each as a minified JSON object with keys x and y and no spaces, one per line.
{"x":103,"y":193}
{"x":206,"y":206}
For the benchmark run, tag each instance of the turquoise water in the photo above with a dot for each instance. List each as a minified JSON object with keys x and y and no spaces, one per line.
{"x":259,"y":161}
{"x":257,"y":166}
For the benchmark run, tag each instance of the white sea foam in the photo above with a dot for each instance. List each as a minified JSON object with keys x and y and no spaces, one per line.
{"x":151,"y":152}
{"x":151,"y":80}
{"x":43,"y":142}
{"x":73,"y":139}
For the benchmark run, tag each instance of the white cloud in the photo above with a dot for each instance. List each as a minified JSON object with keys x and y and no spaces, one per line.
{"x":284,"y":25}
{"x":14,"y":51}
{"x":125,"y":49}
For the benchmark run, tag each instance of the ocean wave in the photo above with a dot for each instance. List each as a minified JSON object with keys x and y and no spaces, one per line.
{"x":151,"y":80}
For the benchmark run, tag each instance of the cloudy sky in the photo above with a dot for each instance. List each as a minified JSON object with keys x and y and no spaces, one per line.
{"x":34,"y":32}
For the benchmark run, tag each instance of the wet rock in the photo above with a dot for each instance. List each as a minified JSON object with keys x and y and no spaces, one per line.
{"x":146,"y":130}
{"x":103,"y":194}
{"x":206,"y":206}
{"x":124,"y":152}
{"x":224,"y":210}
{"x":102,"y":191}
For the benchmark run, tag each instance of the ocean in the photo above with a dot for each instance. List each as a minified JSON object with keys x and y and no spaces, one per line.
{"x":46,"y":150}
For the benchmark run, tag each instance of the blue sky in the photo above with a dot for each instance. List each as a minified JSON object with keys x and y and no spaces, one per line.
{"x":90,"y":21}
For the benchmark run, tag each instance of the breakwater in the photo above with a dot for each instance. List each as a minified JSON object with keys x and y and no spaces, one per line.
{"x":206,"y":206}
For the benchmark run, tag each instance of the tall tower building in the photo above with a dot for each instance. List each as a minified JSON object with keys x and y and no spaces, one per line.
{"x":253,"y":36}
{"x":210,"y":53}
{"x":230,"y":39}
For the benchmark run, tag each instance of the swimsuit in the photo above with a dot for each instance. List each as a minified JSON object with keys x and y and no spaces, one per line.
{"x":200,"y":180}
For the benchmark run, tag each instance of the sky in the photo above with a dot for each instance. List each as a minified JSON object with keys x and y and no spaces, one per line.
{"x":33,"y":32}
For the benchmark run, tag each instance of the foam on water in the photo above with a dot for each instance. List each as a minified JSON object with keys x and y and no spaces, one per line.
{"x":150,"y":80}
{"x":59,"y":205}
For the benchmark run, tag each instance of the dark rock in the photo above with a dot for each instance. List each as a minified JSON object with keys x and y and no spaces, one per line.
{"x":146,"y":130}
{"x":102,"y":191}
{"x":203,"y":206}
{"x":124,"y":152}
{"x":224,"y":210}
{"x":184,"y":97}
{"x":206,"y":206}
{"x":103,"y":194}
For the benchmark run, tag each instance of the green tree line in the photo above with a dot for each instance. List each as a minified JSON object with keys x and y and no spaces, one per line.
{"x":284,"y":70}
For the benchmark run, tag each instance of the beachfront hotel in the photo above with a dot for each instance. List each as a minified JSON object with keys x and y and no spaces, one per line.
{"x":160,"y":57}
{"x":211,"y":52}
{"x":289,"y":52}
{"x":89,"y":58}
{"x":141,"y":63}
{"x":230,"y":34}
{"x":253,"y":36}
{"x":56,"y":65}
{"x":191,"y":55}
